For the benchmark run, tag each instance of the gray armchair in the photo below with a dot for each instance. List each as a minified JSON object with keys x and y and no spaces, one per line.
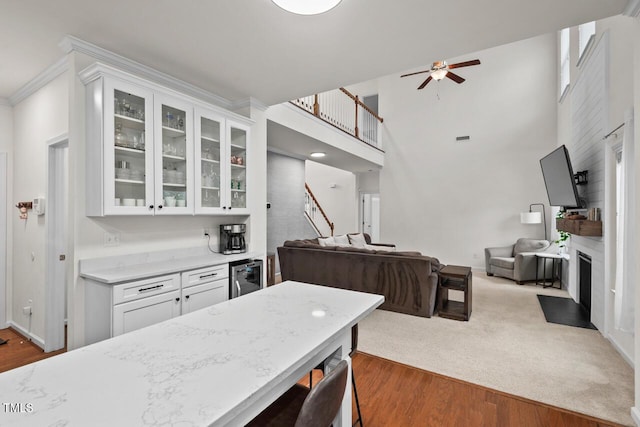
{"x":518,"y":261}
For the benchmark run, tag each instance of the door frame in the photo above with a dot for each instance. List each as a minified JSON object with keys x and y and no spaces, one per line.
{"x":56,"y":227}
{"x":4,"y":229}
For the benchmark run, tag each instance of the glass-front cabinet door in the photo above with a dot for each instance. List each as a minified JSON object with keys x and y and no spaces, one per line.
{"x":173,"y":156}
{"x":237,"y":136}
{"x":128,"y":152}
{"x":210,"y":174}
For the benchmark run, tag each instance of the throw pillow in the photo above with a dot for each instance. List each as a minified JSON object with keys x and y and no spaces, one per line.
{"x":342,"y":240}
{"x":357,"y":240}
{"x":326,"y":241}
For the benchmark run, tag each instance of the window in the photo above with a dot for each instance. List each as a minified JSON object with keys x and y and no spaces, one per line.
{"x":565,"y":62}
{"x":586,"y":35}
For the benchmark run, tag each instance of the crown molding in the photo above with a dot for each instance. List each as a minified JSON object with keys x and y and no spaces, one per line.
{"x":632,"y":9}
{"x":41,"y":80}
{"x":249,"y":102}
{"x":70,"y":43}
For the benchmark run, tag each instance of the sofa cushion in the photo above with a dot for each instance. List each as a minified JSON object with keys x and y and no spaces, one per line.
{"x":326,"y":241}
{"x":530,"y":245}
{"x":354,"y":249}
{"x":503,"y":262}
{"x":380,"y":248}
{"x":357,"y":240}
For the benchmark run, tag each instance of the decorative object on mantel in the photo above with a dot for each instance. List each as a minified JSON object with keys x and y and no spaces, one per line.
{"x":563,"y":236}
{"x":580,"y":227}
{"x":534,"y":217}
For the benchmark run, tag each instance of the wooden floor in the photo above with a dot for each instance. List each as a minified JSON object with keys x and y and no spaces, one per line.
{"x":396,"y":395}
{"x":19,"y":351}
{"x":393,"y":394}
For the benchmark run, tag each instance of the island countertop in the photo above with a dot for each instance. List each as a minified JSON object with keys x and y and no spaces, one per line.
{"x":203,"y":368}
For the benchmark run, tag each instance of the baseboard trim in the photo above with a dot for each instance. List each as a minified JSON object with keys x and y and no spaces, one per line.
{"x":635,"y":414}
{"x":32,"y":337}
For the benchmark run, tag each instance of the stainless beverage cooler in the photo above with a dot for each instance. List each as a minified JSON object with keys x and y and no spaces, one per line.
{"x":245,"y":277}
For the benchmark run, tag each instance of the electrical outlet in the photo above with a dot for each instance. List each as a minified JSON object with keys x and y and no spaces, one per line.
{"x":111,"y":239}
{"x":206,"y":232}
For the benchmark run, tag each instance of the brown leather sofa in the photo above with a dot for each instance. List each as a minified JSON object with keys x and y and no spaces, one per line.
{"x":408,"y":280}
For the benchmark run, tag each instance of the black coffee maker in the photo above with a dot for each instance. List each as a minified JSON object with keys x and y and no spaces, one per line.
{"x":232,"y":239}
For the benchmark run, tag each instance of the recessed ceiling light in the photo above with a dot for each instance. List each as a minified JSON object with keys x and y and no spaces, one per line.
{"x":318,"y":154}
{"x":307,"y":7}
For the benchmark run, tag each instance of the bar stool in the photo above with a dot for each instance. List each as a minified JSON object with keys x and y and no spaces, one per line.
{"x":354,"y":348}
{"x":304,"y":407}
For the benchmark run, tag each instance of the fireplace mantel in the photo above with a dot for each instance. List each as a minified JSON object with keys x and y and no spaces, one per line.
{"x":580,"y":227}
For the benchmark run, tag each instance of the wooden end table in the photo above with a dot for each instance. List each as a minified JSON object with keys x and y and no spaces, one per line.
{"x":457,"y":278}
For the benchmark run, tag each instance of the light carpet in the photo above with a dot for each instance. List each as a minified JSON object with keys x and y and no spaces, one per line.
{"x":507,"y":345}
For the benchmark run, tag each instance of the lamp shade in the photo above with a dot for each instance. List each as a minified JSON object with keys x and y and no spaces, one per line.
{"x":307,"y":7}
{"x":530,"y":217}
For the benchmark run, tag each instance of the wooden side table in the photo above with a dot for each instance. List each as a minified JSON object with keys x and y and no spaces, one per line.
{"x":271,"y":268}
{"x":457,"y":278}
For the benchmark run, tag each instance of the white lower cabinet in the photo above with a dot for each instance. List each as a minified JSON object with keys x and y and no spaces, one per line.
{"x":203,"y":296}
{"x":112,"y":310}
{"x":134,"y":315}
{"x":204,"y":287}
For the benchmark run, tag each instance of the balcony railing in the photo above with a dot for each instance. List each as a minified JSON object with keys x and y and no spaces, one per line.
{"x":345,"y":111}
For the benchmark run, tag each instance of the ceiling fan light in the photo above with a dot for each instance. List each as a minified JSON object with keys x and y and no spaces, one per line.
{"x":439,"y":74}
{"x":307,"y":7}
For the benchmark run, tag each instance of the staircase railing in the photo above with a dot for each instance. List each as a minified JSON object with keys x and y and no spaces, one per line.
{"x":315,"y":213}
{"x":345,"y":111}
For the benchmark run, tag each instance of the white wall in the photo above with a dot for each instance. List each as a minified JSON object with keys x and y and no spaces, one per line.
{"x":6,"y":148}
{"x":40,"y":117}
{"x":452,"y":199}
{"x":335,"y":190}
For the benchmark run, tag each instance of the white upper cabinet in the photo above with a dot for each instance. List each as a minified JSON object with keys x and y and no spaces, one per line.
{"x":173,"y":131}
{"x":152,"y":151}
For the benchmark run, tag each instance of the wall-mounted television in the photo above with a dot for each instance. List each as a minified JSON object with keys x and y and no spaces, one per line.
{"x":559,"y":180}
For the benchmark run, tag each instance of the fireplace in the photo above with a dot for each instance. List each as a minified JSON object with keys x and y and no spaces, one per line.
{"x":584,"y":281}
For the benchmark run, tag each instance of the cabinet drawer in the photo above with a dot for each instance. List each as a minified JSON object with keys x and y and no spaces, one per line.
{"x":205,"y":275}
{"x":144,"y":288}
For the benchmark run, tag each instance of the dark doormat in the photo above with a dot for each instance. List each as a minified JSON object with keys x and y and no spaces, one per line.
{"x":564,"y":311}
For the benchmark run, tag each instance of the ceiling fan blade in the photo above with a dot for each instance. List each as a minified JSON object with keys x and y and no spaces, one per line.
{"x":413,"y":74}
{"x":424,"y":83}
{"x":456,"y":78}
{"x":465,"y":64}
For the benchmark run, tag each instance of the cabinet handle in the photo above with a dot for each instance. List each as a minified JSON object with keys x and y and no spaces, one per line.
{"x":229,"y":207}
{"x":150,"y":207}
{"x":204,"y":276}
{"x":177,"y":299}
{"x":187,"y":297}
{"x":159,"y":206}
{"x":151,"y":288}
{"x":224,"y":207}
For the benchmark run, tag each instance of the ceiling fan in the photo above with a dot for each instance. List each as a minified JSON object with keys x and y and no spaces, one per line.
{"x":440,"y":69}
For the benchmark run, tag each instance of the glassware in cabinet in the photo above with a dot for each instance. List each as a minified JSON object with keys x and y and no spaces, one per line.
{"x":210,"y":169}
{"x":238,"y":166}
{"x":128,"y":160}
{"x":174,"y":145}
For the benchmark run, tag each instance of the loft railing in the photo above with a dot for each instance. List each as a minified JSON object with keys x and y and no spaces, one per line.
{"x":345,"y":111}
{"x":315,"y":214}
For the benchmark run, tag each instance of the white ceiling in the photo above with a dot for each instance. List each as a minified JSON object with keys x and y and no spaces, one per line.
{"x":242,"y":48}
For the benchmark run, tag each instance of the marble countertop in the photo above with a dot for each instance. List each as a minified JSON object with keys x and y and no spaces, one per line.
{"x":125,"y":268}
{"x":199,"y":369}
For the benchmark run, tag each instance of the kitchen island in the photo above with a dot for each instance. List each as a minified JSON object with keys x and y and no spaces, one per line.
{"x":214,"y":367}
